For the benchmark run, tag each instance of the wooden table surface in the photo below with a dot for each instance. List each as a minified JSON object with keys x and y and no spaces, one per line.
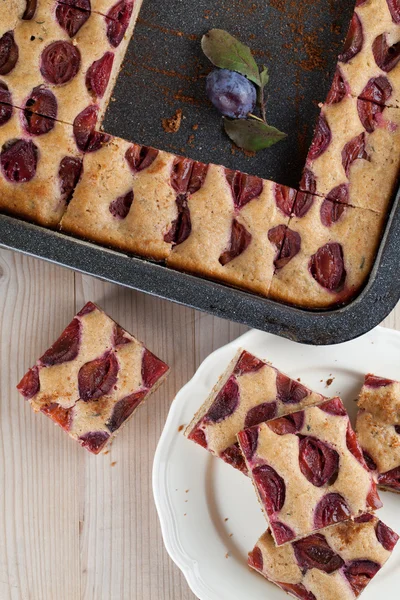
{"x":75,"y":526}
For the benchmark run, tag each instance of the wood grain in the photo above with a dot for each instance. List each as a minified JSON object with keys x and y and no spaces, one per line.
{"x":75,"y":526}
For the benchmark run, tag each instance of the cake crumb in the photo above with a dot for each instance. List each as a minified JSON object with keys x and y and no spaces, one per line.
{"x":227,"y":555}
{"x":226,"y":519}
{"x":329,"y":381}
{"x":195,"y":127}
{"x":172,"y":124}
{"x":106,"y":452}
{"x":186,"y":491}
{"x":180,"y":428}
{"x":114,"y":463}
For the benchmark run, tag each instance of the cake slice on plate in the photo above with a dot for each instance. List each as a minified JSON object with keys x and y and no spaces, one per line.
{"x":378,"y":429}
{"x":336,"y":564}
{"x":308,"y":471}
{"x":249,"y":392}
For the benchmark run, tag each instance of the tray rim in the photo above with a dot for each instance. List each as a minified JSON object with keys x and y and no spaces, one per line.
{"x":368,"y":309}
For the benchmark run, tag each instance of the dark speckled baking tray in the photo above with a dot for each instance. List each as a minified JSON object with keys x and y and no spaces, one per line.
{"x":164,"y":70}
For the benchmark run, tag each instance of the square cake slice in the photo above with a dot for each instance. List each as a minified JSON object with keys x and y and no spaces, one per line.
{"x":235,"y":224}
{"x":336,"y":564}
{"x":308,"y":470}
{"x":328,"y":253}
{"x":40,"y":164}
{"x":249,"y":392}
{"x":354,"y":156}
{"x":378,"y":429}
{"x":92,"y":378}
{"x":133,"y":198}
{"x":369,"y":64}
{"x":64,"y":60}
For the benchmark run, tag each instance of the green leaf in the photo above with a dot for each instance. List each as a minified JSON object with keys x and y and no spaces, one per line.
{"x":264,"y":76}
{"x":226,"y":52}
{"x":252,"y":134}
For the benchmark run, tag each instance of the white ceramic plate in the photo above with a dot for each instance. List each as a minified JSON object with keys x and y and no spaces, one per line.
{"x":210,"y":517}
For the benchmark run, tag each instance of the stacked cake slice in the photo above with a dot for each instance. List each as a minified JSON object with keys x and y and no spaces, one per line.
{"x":309,"y":473}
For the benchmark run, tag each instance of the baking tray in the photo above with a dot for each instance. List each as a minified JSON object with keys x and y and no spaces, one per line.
{"x":163,"y":71}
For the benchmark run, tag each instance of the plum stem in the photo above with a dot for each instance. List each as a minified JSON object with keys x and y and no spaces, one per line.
{"x":262,"y":105}
{"x":255,"y":117}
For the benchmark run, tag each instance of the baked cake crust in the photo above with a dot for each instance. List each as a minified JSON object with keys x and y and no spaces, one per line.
{"x":372,"y":51}
{"x":356,"y":146}
{"x":90,"y":68}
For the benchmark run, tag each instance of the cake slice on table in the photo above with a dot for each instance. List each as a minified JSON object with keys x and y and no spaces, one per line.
{"x":249,"y":392}
{"x":378,"y":429}
{"x":308,"y":470}
{"x":336,"y":564}
{"x":92,"y":378}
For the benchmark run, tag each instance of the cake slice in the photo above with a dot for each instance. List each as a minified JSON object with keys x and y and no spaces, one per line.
{"x":74,"y":55}
{"x":378,"y":429}
{"x":308,"y":470}
{"x":336,"y":564}
{"x":131,"y":197}
{"x":40,"y":164}
{"x":92,"y":378}
{"x":237,"y":224}
{"x":355,"y":154}
{"x":369,"y":65}
{"x":249,"y":392}
{"x":329,"y":250}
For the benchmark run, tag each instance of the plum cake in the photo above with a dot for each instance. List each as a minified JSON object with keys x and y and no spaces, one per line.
{"x":354,"y":156}
{"x":71,"y":54}
{"x":335,"y":564}
{"x":125,"y":198}
{"x":369,"y":65}
{"x":201,"y":218}
{"x":59,"y":60}
{"x":40,"y":164}
{"x":329,"y":251}
{"x":378,"y":429}
{"x":308,"y":470}
{"x":92,"y":378}
{"x":249,"y":392}
{"x":237,"y":225}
